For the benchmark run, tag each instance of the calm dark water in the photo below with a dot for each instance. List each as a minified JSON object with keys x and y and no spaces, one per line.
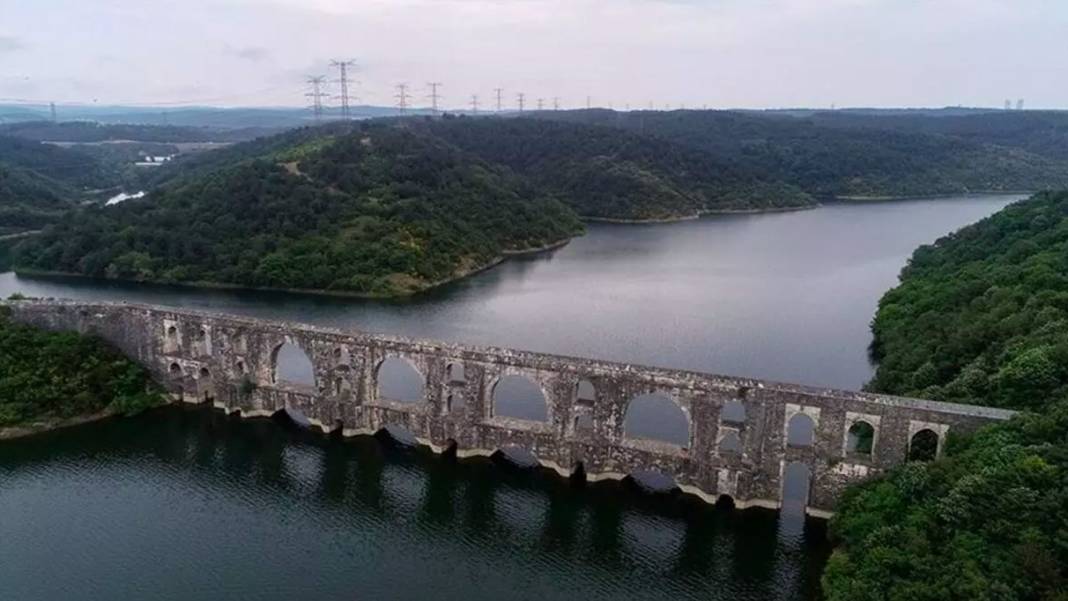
{"x":188,"y":504}
{"x":785,"y":296}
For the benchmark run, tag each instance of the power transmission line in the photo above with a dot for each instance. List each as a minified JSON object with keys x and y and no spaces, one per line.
{"x":434,"y":96}
{"x":402,"y":97}
{"x":316,"y":94}
{"x":343,"y":79}
{"x":521,"y":98}
{"x":499,"y":91}
{"x":556,"y":103}
{"x":474,"y":103}
{"x":541,"y":103}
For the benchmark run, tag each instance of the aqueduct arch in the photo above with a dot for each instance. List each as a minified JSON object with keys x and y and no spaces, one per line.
{"x":738,"y":428}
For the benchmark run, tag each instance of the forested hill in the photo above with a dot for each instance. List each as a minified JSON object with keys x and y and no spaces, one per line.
{"x":844,"y":159}
{"x":39,"y":182}
{"x":606,"y":173}
{"x":983,"y":313}
{"x":980,"y":317}
{"x":600,"y":172}
{"x":1040,"y":132}
{"x":380,"y":210}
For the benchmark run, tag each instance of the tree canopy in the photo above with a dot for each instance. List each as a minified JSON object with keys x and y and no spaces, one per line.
{"x":865,"y":155}
{"x":980,"y":317}
{"x":378,"y":210}
{"x":50,"y":375}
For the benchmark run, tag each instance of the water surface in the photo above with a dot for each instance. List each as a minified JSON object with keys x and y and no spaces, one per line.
{"x":781,"y":296}
{"x":187,"y":504}
{"x":190,"y":505}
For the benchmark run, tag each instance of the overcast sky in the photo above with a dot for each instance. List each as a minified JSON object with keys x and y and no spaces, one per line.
{"x":720,"y":53}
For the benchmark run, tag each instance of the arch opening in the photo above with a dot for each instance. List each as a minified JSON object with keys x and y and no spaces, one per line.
{"x":730,"y":443}
{"x":342,"y":385}
{"x":399,"y":434}
{"x":454,"y":373}
{"x":297,"y":417}
{"x":733,"y":412}
{"x":451,"y":447}
{"x":398,"y":380}
{"x":860,"y":438}
{"x":293,"y":367}
{"x":585,"y":393}
{"x":796,"y":482}
{"x":578,"y":473}
{"x":923,"y":446}
{"x":725,"y":501}
{"x":801,"y":431}
{"x":517,"y":456}
{"x":653,"y":481}
{"x":204,"y":384}
{"x":584,"y":424}
{"x":172,"y":333}
{"x":341,"y":356}
{"x":175,"y":369}
{"x":657,"y":417}
{"x":519,"y":397}
{"x":456,"y":402}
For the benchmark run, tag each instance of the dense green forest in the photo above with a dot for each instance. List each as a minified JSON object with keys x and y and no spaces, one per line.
{"x":854,"y":159}
{"x":982,"y":314}
{"x":28,"y":201}
{"x":1043,"y":133}
{"x":40,"y":182}
{"x":71,"y":168}
{"x":989,"y":522}
{"x":606,"y":173}
{"x":980,"y":317}
{"x":380,"y":210}
{"x":600,"y":172}
{"x":48,"y":375}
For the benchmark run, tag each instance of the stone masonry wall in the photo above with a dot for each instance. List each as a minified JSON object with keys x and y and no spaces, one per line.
{"x":231,"y":361}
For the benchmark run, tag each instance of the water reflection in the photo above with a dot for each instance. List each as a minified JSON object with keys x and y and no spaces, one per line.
{"x":279,"y":509}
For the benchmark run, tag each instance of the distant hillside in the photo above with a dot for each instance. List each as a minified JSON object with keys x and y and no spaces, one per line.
{"x":39,"y":182}
{"x":375,"y":210}
{"x":843,"y":160}
{"x":90,"y":131}
{"x":69,"y":167}
{"x":193,"y":116}
{"x":28,"y":201}
{"x":604,"y":173}
{"x":1044,"y":133}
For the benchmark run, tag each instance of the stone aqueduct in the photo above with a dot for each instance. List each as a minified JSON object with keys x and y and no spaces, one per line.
{"x":231,"y":361}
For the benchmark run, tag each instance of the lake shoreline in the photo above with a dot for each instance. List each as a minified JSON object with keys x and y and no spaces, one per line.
{"x":874,"y":199}
{"x":698,"y":215}
{"x":43,"y":425}
{"x":504,"y":256}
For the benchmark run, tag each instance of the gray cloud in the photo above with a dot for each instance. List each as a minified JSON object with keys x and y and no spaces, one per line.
{"x":723,"y":53}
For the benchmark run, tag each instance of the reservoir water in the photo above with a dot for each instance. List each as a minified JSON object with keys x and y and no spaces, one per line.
{"x":188,"y":504}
